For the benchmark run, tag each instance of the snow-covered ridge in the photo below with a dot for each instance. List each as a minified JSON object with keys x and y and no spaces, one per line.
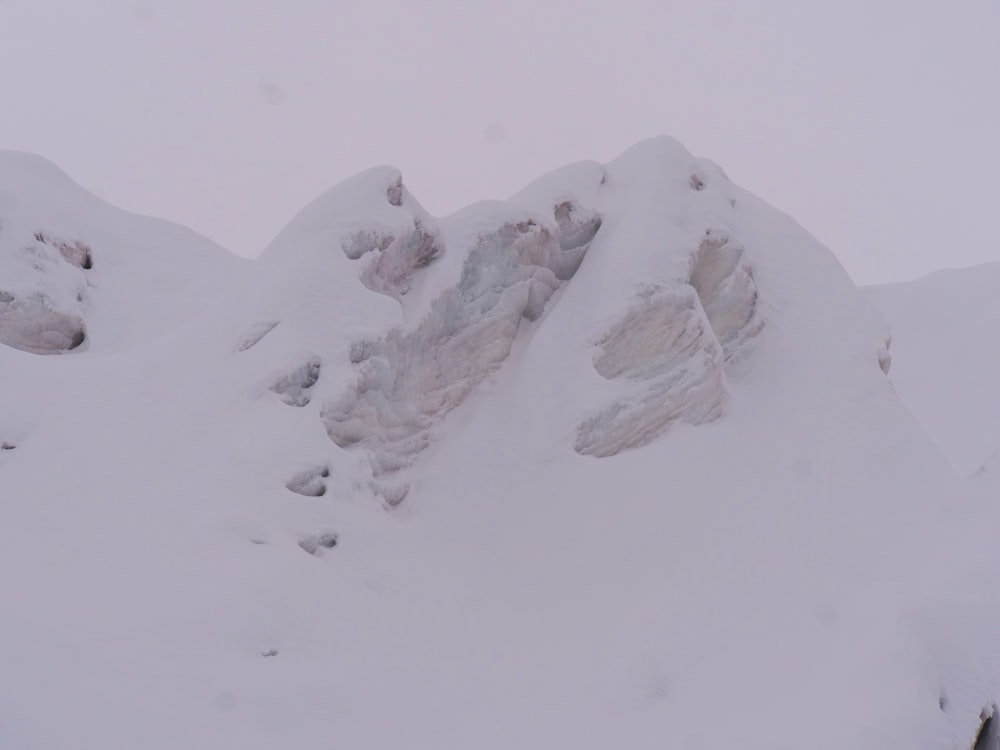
{"x":612,"y":463}
{"x":664,"y":358}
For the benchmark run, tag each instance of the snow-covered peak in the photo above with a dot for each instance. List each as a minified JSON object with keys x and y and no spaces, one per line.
{"x":614,"y":462}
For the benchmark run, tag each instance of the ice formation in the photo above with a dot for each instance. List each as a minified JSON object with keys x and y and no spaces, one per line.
{"x":676,"y":338}
{"x":410,"y":380}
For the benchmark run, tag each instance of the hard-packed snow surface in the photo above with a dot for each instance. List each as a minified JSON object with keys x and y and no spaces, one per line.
{"x":613,"y":463}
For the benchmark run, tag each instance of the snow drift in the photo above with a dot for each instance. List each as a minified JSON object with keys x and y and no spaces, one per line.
{"x":612,"y":463}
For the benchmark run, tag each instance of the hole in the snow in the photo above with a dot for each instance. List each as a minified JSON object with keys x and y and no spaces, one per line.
{"x":315,"y":545}
{"x":78,"y":338}
{"x":310,"y":482}
{"x":7,"y":446}
{"x":270,"y":652}
{"x":294,"y":386}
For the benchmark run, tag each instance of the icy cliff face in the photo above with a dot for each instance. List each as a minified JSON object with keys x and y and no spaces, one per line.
{"x":469,"y":285}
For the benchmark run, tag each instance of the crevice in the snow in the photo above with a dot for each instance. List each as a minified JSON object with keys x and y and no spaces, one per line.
{"x":675,"y":342}
{"x":577,"y":229}
{"x":5,"y":446}
{"x":409,"y":381}
{"x":310,"y":482}
{"x":295,"y":387}
{"x":885,"y":356}
{"x":257,"y":332}
{"x":988,"y":736}
{"x":726,"y":290}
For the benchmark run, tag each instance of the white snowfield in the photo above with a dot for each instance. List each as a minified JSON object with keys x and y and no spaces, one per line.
{"x":613,"y":463}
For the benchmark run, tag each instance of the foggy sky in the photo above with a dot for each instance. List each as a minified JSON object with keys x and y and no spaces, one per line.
{"x":874,"y":123}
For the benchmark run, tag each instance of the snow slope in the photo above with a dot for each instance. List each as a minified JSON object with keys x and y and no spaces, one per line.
{"x":612,"y":463}
{"x":946,"y":365}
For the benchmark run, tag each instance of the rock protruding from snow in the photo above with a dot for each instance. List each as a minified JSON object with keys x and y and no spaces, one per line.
{"x":577,"y":229}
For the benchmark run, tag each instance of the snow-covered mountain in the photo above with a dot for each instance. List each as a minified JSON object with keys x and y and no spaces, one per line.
{"x":612,"y":463}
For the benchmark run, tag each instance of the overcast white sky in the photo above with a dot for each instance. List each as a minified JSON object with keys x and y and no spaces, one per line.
{"x":874,"y":122}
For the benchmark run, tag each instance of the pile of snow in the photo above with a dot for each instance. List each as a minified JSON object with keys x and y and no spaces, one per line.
{"x":612,"y":463}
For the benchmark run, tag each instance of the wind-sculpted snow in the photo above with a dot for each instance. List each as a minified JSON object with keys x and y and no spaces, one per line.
{"x":410,"y":380}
